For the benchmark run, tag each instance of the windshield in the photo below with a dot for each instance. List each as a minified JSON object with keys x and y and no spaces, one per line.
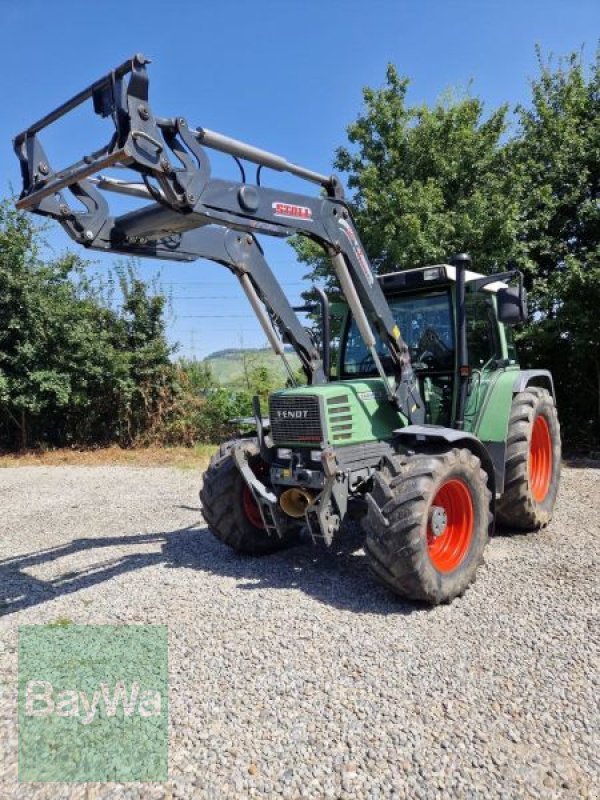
{"x":425,"y":322}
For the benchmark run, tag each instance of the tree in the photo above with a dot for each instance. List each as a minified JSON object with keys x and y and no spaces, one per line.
{"x":53,"y":337}
{"x":556,"y":157}
{"x":426,"y":182}
{"x":262,"y":381}
{"x":150,"y":382}
{"x":199,"y":374}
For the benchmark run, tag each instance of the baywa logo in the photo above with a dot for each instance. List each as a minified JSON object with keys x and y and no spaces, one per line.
{"x":41,"y":700}
{"x":93,"y":703}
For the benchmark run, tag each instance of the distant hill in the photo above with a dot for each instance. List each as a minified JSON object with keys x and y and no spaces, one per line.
{"x":227,"y":366}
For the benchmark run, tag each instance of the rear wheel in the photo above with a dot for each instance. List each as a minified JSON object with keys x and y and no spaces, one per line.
{"x":533,"y":456}
{"x":427,"y":540}
{"x":229,"y":507}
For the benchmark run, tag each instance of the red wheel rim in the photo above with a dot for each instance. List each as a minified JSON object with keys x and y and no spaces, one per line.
{"x":540,"y":459}
{"x":448,"y":549}
{"x":251,"y":508}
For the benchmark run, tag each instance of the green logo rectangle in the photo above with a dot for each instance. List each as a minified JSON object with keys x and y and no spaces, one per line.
{"x":93,"y":703}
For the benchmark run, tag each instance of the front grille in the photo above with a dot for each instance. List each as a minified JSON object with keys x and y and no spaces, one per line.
{"x":295,"y":419}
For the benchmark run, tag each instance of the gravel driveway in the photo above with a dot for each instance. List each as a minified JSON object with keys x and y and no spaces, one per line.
{"x":296,"y":675}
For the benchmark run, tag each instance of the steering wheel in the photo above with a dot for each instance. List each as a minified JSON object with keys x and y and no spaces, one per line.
{"x":432,"y":348}
{"x":426,"y":357}
{"x":431,"y":339}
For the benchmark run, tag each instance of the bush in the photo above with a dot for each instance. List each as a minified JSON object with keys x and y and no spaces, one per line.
{"x":74,"y":369}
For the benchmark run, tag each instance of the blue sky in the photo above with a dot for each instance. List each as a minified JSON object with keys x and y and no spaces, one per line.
{"x":286,"y":76}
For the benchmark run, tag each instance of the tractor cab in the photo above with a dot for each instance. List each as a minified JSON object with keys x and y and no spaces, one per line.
{"x":424,"y":304}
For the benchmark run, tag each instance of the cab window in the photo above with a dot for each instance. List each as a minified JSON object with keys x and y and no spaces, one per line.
{"x":511,"y":348}
{"x":483,"y":342}
{"x":427,"y":328}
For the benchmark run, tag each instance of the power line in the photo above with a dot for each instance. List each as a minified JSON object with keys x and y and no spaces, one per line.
{"x":206,"y":297}
{"x":215,"y":316}
{"x":224,"y":283}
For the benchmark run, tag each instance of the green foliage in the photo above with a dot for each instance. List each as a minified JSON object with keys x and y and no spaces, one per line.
{"x":221,"y":407}
{"x":188,"y":417}
{"x":199,"y":374}
{"x":260,"y":380}
{"x":426,"y":182}
{"x":78,"y":369}
{"x":299,"y":378}
{"x":73,"y":369}
{"x":556,"y":157}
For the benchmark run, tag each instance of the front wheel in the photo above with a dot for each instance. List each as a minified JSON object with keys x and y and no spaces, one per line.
{"x":429,"y":524}
{"x":229,"y":507}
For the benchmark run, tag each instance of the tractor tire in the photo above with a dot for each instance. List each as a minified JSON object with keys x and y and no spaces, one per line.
{"x":533,"y":457}
{"x":429,"y":524}
{"x":230,"y":509}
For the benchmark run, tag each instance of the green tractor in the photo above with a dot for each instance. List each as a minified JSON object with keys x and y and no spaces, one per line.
{"x":427,"y":495}
{"x":425,"y":430}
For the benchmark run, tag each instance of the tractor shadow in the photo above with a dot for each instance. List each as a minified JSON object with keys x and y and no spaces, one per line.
{"x":582,"y":462}
{"x":506,"y":532}
{"x":338,"y":576}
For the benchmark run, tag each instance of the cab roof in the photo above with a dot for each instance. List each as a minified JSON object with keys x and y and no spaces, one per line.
{"x":435,"y":275}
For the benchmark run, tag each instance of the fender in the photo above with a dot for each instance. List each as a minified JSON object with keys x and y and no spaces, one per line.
{"x":437,"y":434}
{"x":534,"y":377}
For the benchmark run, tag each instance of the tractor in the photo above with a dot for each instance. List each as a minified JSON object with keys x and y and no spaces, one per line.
{"x":425,"y":429}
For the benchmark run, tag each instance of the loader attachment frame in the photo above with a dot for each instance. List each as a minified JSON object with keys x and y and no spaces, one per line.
{"x":185,"y":207}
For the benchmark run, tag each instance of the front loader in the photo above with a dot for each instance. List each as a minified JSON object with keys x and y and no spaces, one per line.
{"x":426,"y":429}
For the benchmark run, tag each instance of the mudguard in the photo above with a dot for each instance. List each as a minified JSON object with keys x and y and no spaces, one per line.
{"x":418,"y":434}
{"x":534,"y":377}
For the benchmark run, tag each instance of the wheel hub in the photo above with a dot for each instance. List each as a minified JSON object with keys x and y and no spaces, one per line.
{"x":438,"y":520}
{"x":450,"y":525}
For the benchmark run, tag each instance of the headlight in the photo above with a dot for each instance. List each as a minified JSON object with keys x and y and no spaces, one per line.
{"x":315,"y":455}
{"x":284,"y":453}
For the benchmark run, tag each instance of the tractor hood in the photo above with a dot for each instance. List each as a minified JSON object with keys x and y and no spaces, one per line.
{"x":335,"y":414}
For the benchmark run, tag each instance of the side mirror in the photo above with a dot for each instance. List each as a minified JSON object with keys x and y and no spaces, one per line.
{"x":512,"y":305}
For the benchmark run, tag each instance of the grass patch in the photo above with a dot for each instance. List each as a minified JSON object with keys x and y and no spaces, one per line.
{"x":183,"y":457}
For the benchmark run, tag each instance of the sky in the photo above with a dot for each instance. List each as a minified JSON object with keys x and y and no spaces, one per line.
{"x":283,"y":75}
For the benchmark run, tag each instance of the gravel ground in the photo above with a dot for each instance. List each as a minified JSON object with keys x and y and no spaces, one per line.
{"x":297,"y":675}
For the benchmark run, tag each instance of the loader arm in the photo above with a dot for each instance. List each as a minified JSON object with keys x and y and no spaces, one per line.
{"x":172,"y":161}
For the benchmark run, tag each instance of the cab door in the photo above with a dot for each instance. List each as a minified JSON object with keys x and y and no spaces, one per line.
{"x":484,"y":350}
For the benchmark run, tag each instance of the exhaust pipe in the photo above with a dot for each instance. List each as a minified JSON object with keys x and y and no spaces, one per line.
{"x":294,"y":502}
